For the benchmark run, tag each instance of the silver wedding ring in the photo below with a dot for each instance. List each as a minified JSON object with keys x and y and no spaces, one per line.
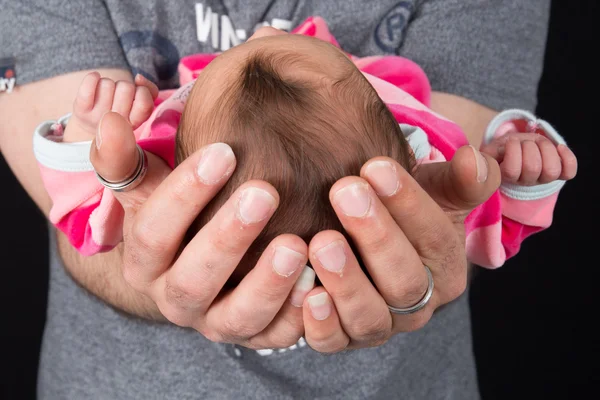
{"x":131,"y":182}
{"x":422,"y":303}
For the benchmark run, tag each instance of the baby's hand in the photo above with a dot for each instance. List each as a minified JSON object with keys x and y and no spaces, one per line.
{"x":531,"y":159}
{"x":97,"y":96}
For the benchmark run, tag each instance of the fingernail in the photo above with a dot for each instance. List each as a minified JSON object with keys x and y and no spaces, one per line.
{"x":332,"y":257}
{"x":255,"y":205}
{"x":215,"y":163}
{"x":383,"y":177}
{"x":482,"y":165}
{"x":320,"y":307}
{"x":304,"y":284}
{"x":287,"y":261}
{"x":354,"y":199}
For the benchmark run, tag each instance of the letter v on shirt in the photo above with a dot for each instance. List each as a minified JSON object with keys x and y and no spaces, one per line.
{"x":221,"y":29}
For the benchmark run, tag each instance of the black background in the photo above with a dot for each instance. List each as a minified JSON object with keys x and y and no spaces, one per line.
{"x":533,"y":318}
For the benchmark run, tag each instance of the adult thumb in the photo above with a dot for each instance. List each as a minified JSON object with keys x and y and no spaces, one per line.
{"x":115,"y":157}
{"x":462,"y":184}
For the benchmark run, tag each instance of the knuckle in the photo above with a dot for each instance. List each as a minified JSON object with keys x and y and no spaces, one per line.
{"x":81,"y":104}
{"x":107,"y":84}
{"x":439,"y":241}
{"x":183,"y":293}
{"x":185,"y":183}
{"x":373,"y":330}
{"x":379,"y":240}
{"x":533,"y":165}
{"x":225,"y":242}
{"x":175,"y":314}
{"x":511,"y":174}
{"x":345,"y":294}
{"x":322,"y":337}
{"x":453,"y":260}
{"x":407,"y":292}
{"x":125,"y":86}
{"x":270,"y":294}
{"x":236,"y":328}
{"x":286,"y":333}
{"x":143,"y":239}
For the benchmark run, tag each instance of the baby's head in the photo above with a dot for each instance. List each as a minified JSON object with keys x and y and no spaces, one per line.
{"x":298,"y":114}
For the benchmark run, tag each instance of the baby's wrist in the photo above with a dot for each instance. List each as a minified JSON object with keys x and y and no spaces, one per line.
{"x":74,"y":131}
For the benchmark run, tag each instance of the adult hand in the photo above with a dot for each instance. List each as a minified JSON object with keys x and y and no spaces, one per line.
{"x":398,"y":224}
{"x":186,"y":284}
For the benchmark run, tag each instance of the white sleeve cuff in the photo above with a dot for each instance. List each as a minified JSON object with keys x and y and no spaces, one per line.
{"x":417,"y":140}
{"x":67,"y":157}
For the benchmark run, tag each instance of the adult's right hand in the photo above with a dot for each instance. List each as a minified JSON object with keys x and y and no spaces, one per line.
{"x":265,"y":309}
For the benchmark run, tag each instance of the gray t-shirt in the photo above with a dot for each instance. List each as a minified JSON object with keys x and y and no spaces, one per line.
{"x":488,"y":51}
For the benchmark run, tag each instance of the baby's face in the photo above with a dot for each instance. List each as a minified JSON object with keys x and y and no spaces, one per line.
{"x":320,"y":60}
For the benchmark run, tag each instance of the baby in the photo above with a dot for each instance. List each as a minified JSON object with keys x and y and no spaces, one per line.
{"x":300,"y":114}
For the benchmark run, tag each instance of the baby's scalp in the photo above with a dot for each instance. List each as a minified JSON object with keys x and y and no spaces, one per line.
{"x":293,"y":123}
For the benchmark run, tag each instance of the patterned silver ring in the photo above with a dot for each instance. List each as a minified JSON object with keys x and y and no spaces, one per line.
{"x":131,"y":182}
{"x":422,"y":303}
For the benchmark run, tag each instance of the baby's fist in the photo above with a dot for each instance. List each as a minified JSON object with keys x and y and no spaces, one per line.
{"x":530,"y":159}
{"x":97,"y":95}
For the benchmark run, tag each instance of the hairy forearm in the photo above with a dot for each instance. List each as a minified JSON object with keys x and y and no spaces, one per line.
{"x":101,"y":275}
{"x":472,"y":117}
{"x":20,"y":112}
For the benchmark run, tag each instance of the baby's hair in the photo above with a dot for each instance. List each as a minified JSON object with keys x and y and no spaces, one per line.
{"x":300,"y":135}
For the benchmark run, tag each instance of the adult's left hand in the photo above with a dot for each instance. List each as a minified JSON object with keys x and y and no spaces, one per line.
{"x":399,"y":224}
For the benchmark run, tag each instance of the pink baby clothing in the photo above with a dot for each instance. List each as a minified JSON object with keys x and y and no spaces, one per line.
{"x":92,"y":218}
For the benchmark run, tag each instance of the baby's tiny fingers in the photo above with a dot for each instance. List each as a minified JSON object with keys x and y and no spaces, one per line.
{"x":141,"y":80}
{"x":143,"y":105}
{"x":569,"y":162}
{"x":84,"y":102}
{"x":512,"y":163}
{"x":123,"y":100}
{"x":532,"y":163}
{"x":104,"y":95}
{"x":551,"y":163}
